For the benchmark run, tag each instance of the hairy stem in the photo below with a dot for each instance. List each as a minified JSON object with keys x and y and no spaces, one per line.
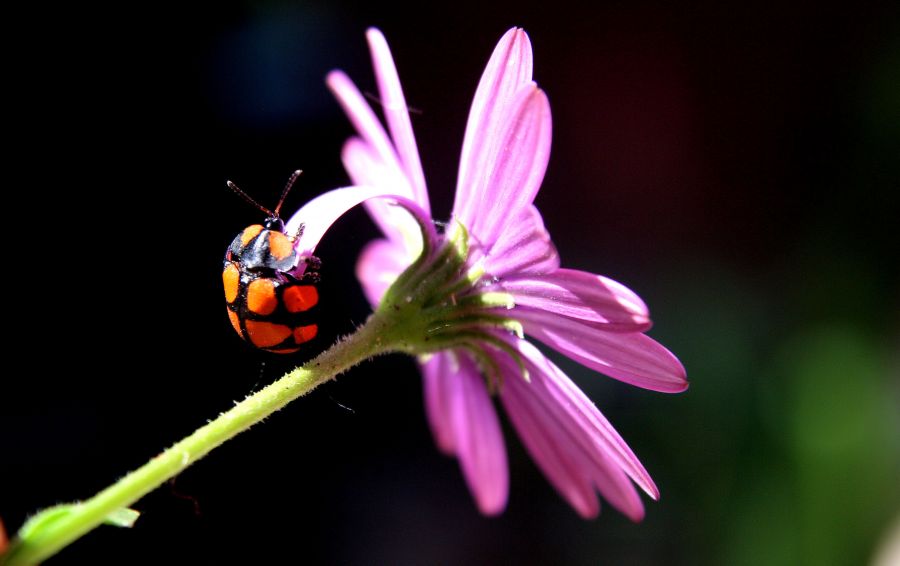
{"x":53,"y":529}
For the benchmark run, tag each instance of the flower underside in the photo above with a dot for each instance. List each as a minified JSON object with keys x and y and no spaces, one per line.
{"x":442,"y":303}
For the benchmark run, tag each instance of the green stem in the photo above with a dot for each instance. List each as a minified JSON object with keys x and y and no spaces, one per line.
{"x":399,"y":325}
{"x":52,"y":530}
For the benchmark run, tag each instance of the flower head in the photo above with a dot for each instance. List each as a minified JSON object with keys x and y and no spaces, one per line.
{"x":491,"y":279}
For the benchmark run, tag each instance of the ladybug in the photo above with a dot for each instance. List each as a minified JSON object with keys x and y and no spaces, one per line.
{"x":268,"y":306}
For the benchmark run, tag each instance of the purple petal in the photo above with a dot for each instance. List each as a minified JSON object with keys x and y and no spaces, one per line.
{"x":513,"y":174}
{"x":317,"y":215}
{"x":367,"y":168}
{"x":590,"y":429}
{"x":397,"y":114}
{"x":464,"y":422}
{"x":630,"y":357}
{"x":509,"y":68}
{"x":616,"y":488}
{"x":479,"y":440}
{"x":607,"y":460}
{"x":579,"y":295}
{"x":370,"y":129}
{"x":564,"y":465}
{"x":437,"y":381}
{"x":378,"y":266}
{"x":525,"y":248}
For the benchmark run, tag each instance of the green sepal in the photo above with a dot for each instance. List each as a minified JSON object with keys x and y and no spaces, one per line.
{"x":123,"y":517}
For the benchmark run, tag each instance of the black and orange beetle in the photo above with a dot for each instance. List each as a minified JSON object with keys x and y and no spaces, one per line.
{"x":268,"y":306}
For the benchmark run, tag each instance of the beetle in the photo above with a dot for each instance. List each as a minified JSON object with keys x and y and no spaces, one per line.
{"x":268,"y":306}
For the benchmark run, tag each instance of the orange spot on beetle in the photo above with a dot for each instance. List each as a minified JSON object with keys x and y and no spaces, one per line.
{"x":280,"y":246}
{"x":250,"y":232}
{"x":231,"y":278}
{"x":266,"y":334}
{"x":235,"y":321}
{"x":305,"y":333}
{"x":261,"y":297}
{"x":299,"y":298}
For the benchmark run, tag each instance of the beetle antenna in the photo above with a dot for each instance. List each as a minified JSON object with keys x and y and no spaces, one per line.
{"x":286,"y":190}
{"x":247,"y":198}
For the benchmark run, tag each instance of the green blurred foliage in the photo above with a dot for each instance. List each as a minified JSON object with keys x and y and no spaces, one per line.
{"x":786,"y":449}
{"x":832,"y":417}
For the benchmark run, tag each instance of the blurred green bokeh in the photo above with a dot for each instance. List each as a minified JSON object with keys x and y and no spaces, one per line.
{"x":790,"y":433}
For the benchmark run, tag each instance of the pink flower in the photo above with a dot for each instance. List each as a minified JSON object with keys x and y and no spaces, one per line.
{"x":505,"y":283}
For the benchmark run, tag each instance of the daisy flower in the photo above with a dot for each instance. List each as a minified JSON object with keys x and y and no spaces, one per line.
{"x":473,"y":293}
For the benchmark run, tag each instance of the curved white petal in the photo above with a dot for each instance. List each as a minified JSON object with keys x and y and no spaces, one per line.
{"x":317,"y":215}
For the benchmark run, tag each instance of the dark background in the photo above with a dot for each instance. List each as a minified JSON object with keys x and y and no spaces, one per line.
{"x":735,"y":164}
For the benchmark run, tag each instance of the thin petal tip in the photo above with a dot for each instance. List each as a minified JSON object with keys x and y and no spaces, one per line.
{"x":681,"y":383}
{"x":676,"y":383}
{"x":635,"y":515}
{"x":491,"y":508}
{"x":514,"y":32}
{"x":335,"y":77}
{"x":587,"y":511}
{"x":376,"y":39}
{"x":518,"y":37}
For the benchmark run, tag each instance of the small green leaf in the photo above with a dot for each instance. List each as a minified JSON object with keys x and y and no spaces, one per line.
{"x":123,"y":517}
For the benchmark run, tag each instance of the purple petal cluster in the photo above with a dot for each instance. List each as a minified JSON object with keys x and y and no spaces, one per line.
{"x":589,"y":318}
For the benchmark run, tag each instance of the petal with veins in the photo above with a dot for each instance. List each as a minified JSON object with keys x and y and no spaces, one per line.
{"x":587,"y":425}
{"x":630,"y":357}
{"x":525,"y":248}
{"x":582,"y":296}
{"x":564,"y":465}
{"x":320,"y":213}
{"x":509,"y":67}
{"x":514,"y":172}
